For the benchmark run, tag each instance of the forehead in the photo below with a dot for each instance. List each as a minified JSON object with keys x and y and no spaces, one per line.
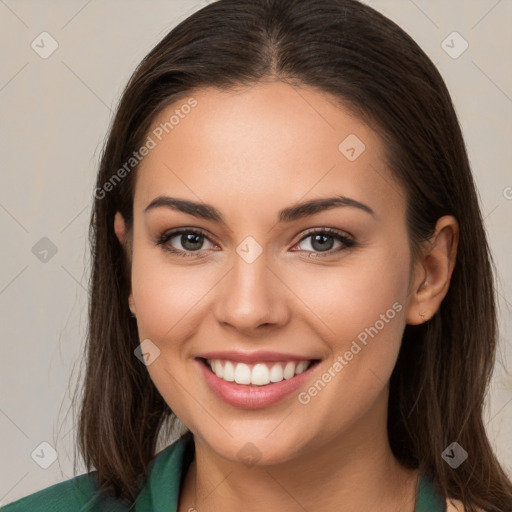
{"x":270,"y":143}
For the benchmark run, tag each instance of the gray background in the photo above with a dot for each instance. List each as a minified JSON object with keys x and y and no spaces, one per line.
{"x":55,"y":113}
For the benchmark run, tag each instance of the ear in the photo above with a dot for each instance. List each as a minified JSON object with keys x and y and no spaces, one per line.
{"x":432,"y":273}
{"x":119,"y":227}
{"x":120,"y":231}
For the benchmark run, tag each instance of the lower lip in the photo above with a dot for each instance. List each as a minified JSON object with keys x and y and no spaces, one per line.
{"x":250,"y":396}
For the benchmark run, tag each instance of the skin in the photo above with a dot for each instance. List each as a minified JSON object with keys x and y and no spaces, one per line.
{"x":251,"y":152}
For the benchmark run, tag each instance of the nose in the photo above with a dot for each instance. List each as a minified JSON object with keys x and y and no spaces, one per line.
{"x":252,"y":298}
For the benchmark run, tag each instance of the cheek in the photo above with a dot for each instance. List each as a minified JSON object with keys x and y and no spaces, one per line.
{"x":167,"y":295}
{"x":351,"y":297}
{"x":361,"y":316}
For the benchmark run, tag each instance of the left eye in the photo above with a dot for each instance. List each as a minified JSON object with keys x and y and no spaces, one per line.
{"x":323,"y":241}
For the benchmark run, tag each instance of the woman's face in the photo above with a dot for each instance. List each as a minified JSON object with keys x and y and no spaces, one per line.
{"x":256,"y":292}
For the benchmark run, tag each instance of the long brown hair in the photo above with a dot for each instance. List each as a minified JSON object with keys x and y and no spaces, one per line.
{"x":349,"y":50}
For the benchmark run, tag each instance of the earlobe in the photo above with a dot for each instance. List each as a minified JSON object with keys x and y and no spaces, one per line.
{"x":131,"y":304}
{"x":119,"y":227}
{"x":434,"y":271}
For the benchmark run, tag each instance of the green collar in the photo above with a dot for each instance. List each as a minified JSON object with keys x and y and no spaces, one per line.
{"x":161,"y":491}
{"x":166,"y":472}
{"x":427,"y":498}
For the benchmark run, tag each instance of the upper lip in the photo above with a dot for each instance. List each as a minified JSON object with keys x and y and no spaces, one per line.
{"x":254,"y":357}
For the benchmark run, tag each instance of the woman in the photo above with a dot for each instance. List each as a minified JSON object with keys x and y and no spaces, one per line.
{"x":288,"y":256}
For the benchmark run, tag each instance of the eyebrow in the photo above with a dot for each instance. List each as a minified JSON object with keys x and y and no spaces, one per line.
{"x":298,"y":211}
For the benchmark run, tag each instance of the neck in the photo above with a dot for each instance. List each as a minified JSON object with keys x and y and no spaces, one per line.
{"x":357,"y":468}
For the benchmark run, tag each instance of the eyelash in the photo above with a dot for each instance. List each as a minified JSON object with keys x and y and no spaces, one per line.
{"x":331,"y":233}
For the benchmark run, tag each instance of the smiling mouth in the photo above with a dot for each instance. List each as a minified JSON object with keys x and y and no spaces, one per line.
{"x":258,"y":374}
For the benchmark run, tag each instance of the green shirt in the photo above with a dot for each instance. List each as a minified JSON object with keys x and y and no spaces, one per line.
{"x":159,"y":493}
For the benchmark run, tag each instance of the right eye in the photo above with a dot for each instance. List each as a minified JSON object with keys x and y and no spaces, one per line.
{"x":191,"y":241}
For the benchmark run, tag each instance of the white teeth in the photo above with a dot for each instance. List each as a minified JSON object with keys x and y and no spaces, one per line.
{"x":301,"y":367}
{"x":259,"y":374}
{"x":289,"y":370}
{"x":229,"y":371}
{"x":218,"y":369}
{"x":276,"y":373}
{"x":242,"y":374}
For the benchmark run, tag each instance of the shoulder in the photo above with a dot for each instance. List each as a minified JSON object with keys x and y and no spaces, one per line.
{"x":453,"y":505}
{"x":81,"y":492}
{"x":78,"y":493}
